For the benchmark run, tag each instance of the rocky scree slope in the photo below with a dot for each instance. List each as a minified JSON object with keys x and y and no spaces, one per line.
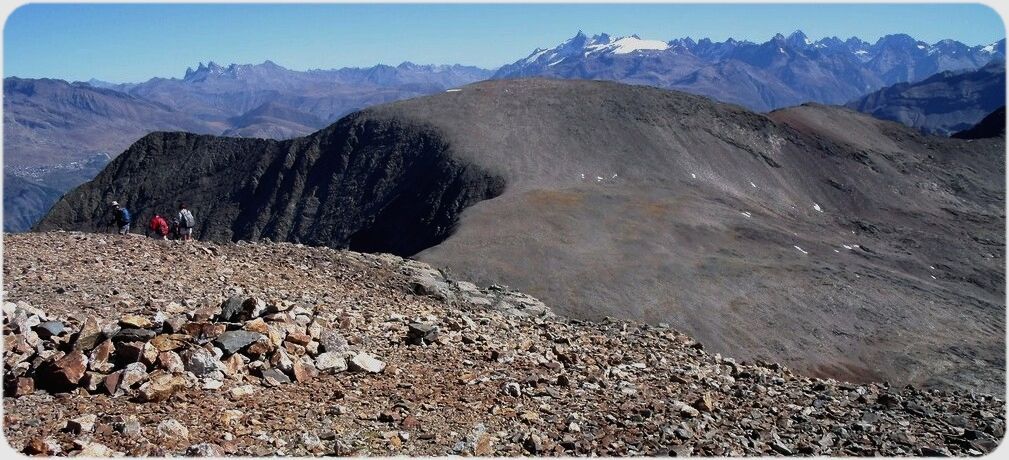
{"x":816,"y":236}
{"x":453,"y":369}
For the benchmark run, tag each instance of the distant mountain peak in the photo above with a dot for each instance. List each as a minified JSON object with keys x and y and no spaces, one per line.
{"x":798,"y":39}
{"x":786,"y":69}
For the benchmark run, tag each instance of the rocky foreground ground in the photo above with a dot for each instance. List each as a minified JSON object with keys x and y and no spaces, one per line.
{"x":131,"y":346}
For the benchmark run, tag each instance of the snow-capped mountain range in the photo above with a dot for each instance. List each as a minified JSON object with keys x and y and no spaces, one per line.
{"x":780,"y":72}
{"x":49,"y":123}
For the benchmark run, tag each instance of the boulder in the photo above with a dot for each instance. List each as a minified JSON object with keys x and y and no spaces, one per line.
{"x":24,"y":386}
{"x":304,"y":369}
{"x":168,"y":342}
{"x":233,"y":365}
{"x":133,"y":374}
{"x":231,"y":309}
{"x":64,"y":373}
{"x":299,"y":338}
{"x":259,"y":349}
{"x":274,"y":377}
{"x":257,"y":325}
{"x":203,"y":332}
{"x":281,"y":360}
{"x":129,"y":352}
{"x":149,"y":354}
{"x":111,"y":383}
{"x":253,"y":308}
{"x":99,"y":358}
{"x":331,"y":362}
{"x":88,"y":336}
{"x":171,"y":429}
{"x":92,"y":381}
{"x":174,"y":324}
{"x":233,"y":341}
{"x":135,"y":322}
{"x":242,"y":391}
{"x":201,"y":362}
{"x":366,"y":363}
{"x":171,"y":362}
{"x":82,"y":424}
{"x":49,"y":329}
{"x":205,"y":449}
{"x":133,"y":335}
{"x":161,"y":387}
{"x":421,"y":334}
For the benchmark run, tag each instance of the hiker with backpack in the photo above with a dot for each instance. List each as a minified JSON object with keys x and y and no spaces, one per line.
{"x":159,"y":226}
{"x":186,"y":223}
{"x":122,"y":218}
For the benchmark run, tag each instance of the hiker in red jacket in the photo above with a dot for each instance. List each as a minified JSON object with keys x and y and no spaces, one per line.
{"x":160,"y":226}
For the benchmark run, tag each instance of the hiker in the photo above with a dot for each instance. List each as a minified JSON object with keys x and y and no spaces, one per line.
{"x":175,"y":228}
{"x":186,"y":223}
{"x":159,"y":226}
{"x":122,"y":218}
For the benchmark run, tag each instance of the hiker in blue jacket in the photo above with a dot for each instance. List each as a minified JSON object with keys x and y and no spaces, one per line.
{"x":122,"y":218}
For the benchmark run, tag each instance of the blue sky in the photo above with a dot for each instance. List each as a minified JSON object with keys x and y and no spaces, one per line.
{"x":126,"y":43}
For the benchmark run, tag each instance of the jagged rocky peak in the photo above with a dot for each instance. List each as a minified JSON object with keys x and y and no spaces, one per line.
{"x":798,"y":39}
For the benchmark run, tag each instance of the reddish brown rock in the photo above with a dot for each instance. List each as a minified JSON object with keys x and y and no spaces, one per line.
{"x":99,"y":358}
{"x":92,"y":381}
{"x":111,"y":383}
{"x":233,"y":365}
{"x":206,"y":313}
{"x":64,"y":373}
{"x":160,"y":387}
{"x":129,"y":352}
{"x":171,"y":362}
{"x":410,"y":422}
{"x":36,"y":446}
{"x":168,"y":342}
{"x":304,"y":369}
{"x":259,"y":349}
{"x":257,"y":325}
{"x":204,"y":331}
{"x":24,"y":386}
{"x":294,"y":349}
{"x":299,"y":338}
{"x":484,"y":446}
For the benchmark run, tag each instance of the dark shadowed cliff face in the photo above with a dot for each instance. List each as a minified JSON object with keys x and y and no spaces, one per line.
{"x":840,"y":244}
{"x":370,"y":184}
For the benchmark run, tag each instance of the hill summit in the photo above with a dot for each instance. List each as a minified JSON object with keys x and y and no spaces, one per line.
{"x":815,"y":236}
